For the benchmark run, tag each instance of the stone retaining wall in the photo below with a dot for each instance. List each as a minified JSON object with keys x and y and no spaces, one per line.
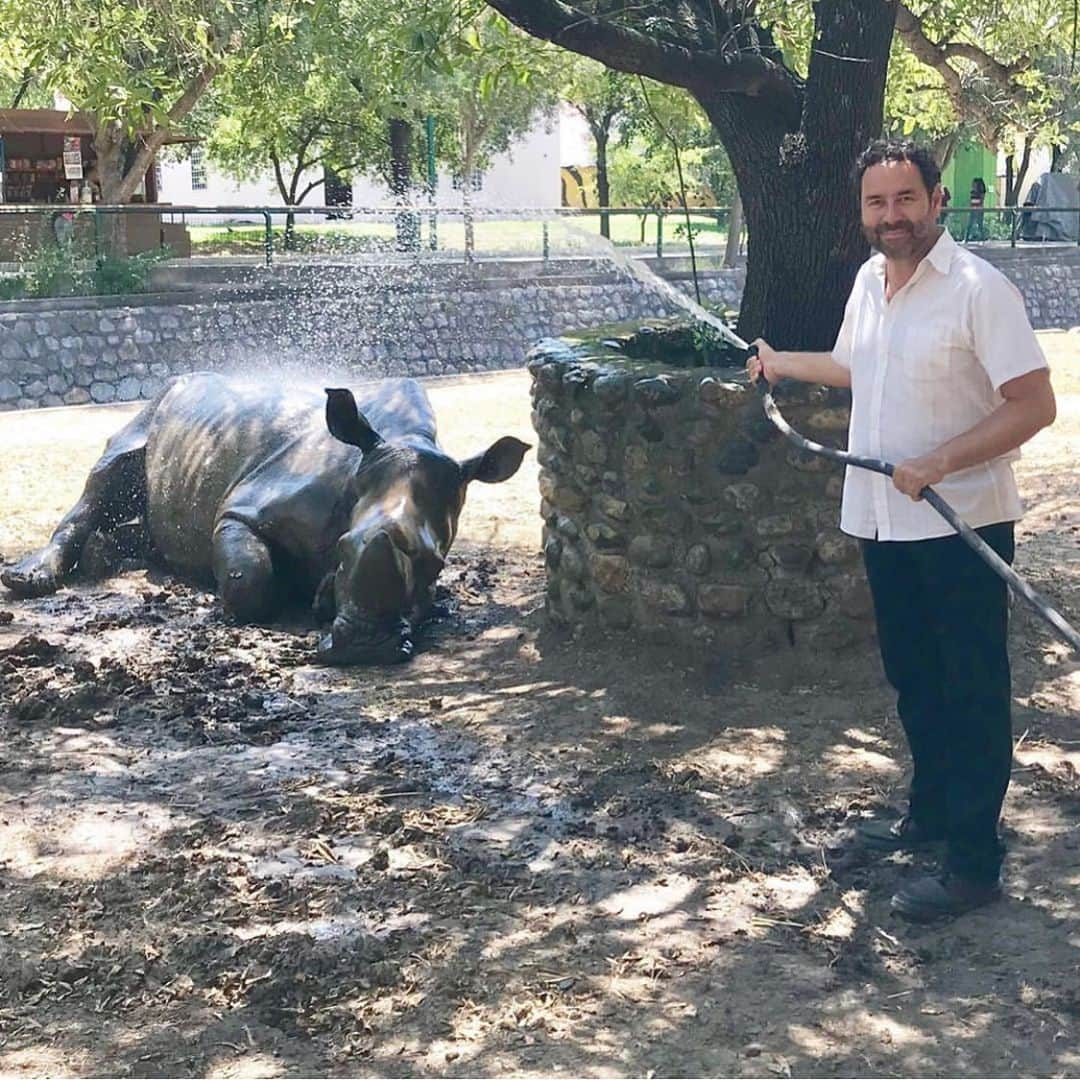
{"x":673,"y":509}
{"x":1049,"y":279}
{"x":416,"y":319}
{"x":367,"y":323}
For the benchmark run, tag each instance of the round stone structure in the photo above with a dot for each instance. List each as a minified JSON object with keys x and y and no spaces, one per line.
{"x":675,"y":511}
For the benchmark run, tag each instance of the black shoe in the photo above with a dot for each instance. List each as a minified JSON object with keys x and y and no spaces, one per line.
{"x":943,"y":897}
{"x":900,"y":835}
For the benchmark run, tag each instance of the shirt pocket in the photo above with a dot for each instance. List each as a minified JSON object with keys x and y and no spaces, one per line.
{"x":928,"y":352}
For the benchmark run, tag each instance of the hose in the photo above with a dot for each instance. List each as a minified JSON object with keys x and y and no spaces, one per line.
{"x":1042,"y":606}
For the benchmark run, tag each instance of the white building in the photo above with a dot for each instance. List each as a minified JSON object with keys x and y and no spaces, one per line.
{"x":576,"y":144}
{"x":527,"y":175}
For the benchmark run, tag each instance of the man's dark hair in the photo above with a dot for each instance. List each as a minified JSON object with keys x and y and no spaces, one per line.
{"x":900,"y":150}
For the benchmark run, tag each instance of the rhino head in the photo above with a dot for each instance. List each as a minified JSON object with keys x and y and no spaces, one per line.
{"x":409,"y":495}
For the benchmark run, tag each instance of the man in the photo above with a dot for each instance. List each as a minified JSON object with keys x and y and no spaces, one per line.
{"x":947,"y":381}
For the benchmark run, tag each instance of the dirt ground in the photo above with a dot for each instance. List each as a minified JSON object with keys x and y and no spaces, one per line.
{"x":520,"y":854}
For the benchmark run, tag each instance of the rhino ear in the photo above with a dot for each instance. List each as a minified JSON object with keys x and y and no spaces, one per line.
{"x":497,"y":463}
{"x":347,"y":423}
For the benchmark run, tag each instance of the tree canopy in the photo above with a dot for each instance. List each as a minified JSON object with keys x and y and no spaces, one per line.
{"x":1005,"y":73}
{"x":352,"y":69}
{"x":795,"y":90}
{"x":791,"y":89}
{"x":294,"y":110}
{"x":137,"y":67}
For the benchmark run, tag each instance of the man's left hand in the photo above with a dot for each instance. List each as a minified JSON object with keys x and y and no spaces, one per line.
{"x":912,"y":476}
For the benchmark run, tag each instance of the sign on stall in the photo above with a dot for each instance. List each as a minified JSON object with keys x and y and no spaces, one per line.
{"x":73,"y":157}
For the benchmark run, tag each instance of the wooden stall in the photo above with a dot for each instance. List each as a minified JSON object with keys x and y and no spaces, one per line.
{"x":46,"y":166}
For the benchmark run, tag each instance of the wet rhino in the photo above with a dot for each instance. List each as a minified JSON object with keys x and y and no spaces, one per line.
{"x":279,"y":492}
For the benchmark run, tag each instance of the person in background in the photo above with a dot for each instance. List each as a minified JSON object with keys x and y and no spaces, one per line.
{"x":976,"y":227}
{"x":946,"y":198}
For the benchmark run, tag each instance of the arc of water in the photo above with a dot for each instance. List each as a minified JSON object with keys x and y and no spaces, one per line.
{"x":1061,"y":626}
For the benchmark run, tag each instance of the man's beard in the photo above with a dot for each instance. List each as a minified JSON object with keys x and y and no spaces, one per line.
{"x":913,"y":240}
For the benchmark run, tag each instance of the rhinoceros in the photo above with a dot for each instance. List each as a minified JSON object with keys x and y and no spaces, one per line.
{"x":279,"y":492}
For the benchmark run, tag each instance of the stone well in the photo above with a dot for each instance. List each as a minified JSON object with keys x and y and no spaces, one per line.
{"x":673,"y":509}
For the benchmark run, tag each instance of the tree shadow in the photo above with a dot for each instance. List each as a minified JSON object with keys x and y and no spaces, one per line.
{"x":521,"y":853}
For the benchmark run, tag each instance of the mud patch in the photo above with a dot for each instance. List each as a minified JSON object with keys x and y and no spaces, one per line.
{"x":518,"y":854}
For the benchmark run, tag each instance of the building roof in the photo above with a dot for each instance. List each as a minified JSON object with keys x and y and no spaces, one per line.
{"x":60,"y":122}
{"x":44,"y":122}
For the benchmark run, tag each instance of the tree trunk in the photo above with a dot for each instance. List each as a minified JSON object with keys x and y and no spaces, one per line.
{"x":792,"y":143}
{"x":1021,"y":172}
{"x":121,"y":163}
{"x":406,"y":223}
{"x":109,"y":166}
{"x":25,"y":80}
{"x":734,"y":232}
{"x":1014,"y":176}
{"x":943,"y":148}
{"x":471,"y":133}
{"x":467,"y":218}
{"x":603,"y":185}
{"x":805,"y":243}
{"x":109,"y":171}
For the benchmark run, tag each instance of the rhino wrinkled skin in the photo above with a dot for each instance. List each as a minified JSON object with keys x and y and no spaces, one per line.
{"x":280,"y":493}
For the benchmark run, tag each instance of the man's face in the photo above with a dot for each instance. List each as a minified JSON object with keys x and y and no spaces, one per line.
{"x":899,"y":216}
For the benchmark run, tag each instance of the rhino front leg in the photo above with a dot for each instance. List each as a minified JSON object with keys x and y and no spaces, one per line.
{"x":244,"y":572}
{"x":115,"y":492}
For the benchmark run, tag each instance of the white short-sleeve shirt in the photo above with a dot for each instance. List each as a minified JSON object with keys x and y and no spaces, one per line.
{"x":925,"y":367}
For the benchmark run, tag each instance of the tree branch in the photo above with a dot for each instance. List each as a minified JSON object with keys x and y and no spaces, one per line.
{"x":309,"y":189}
{"x":937,"y":55}
{"x":999,"y":73}
{"x":309,"y":137}
{"x":347,"y":168}
{"x":909,"y":26}
{"x":625,"y":49}
{"x":152,"y":141}
{"x":192,"y":92}
{"x":282,"y":189}
{"x":25,"y":80}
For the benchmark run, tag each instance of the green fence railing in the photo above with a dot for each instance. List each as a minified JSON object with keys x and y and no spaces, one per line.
{"x":467,"y":231}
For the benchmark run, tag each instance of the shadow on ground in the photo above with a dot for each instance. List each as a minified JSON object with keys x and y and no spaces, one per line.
{"x":519,"y":854}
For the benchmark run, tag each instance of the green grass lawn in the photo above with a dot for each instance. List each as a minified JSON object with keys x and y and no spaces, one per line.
{"x":507,"y":236}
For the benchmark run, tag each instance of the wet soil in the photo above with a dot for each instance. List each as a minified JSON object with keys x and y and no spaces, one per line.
{"x":521,"y":853}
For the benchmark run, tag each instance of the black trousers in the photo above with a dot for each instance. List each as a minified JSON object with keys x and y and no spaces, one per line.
{"x":942,"y":619}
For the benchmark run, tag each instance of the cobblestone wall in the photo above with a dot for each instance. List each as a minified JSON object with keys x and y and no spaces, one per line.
{"x":406,"y":319}
{"x":674,"y":510}
{"x":70,"y":352}
{"x":1049,"y":280}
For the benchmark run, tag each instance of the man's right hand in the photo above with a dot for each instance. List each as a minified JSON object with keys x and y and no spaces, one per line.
{"x":766,"y":362}
{"x":812,"y":367}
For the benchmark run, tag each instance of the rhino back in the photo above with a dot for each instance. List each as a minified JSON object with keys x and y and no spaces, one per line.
{"x":262,"y":454}
{"x":398,"y":409}
{"x":209,"y":435}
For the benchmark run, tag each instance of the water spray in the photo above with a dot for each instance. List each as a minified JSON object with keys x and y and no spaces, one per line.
{"x":655,"y":283}
{"x":1042,"y":606}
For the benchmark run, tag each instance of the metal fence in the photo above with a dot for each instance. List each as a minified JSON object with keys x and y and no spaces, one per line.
{"x":1000,"y":223}
{"x":450,"y":230}
{"x":465,"y":232}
